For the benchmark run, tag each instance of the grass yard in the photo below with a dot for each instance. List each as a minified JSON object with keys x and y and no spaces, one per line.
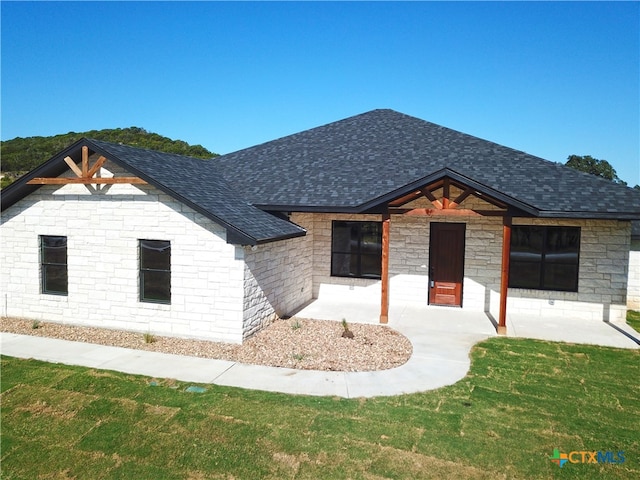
{"x":521,"y":400}
{"x":633,"y":319}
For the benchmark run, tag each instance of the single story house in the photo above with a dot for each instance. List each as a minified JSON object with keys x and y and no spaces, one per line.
{"x":380,"y":207}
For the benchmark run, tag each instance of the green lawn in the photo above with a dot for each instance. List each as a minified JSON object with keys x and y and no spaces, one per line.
{"x":521,"y":400}
{"x":633,"y":319}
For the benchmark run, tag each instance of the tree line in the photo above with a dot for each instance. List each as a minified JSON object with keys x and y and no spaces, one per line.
{"x":20,"y":155}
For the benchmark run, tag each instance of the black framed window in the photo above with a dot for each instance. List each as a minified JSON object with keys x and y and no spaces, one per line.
{"x":53,"y":265}
{"x":544,"y":258}
{"x":356,"y":249}
{"x":155,"y":271}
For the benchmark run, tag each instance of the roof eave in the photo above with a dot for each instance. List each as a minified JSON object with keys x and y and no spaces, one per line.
{"x":307,"y":208}
{"x":289,"y":236}
{"x":55,"y":167}
{"x":589,"y":215}
{"x":235,"y":236}
{"x":231,"y":230}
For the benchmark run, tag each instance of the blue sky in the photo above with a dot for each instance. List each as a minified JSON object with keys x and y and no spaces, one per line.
{"x":550,"y":78}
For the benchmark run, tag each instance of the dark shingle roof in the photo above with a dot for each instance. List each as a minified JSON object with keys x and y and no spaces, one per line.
{"x":351,"y":164}
{"x":193,"y":181}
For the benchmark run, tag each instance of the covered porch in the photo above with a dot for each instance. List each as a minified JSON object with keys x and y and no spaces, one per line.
{"x":442,"y":199}
{"x":444,"y":245}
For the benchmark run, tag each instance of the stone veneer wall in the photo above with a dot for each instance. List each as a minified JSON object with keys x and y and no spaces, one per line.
{"x":339,"y":288}
{"x":102,"y":229}
{"x":409,"y":260}
{"x":226,"y":293}
{"x":633,"y":287}
{"x":602,"y":275}
{"x":277,"y":278}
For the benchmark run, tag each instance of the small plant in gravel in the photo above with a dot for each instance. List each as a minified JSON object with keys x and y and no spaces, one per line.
{"x":346,"y":333}
{"x":296,"y":325}
{"x":149,"y":338}
{"x":36,"y":324}
{"x":298,"y":357}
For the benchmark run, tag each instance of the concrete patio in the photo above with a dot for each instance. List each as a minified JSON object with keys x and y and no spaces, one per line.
{"x":449,"y":324}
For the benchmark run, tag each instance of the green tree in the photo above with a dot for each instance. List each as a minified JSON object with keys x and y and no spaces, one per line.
{"x":21,"y":155}
{"x":24,"y":154}
{"x":599,"y":168}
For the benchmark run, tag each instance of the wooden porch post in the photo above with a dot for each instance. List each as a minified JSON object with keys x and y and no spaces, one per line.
{"x":384,"y":274}
{"x":504,"y":274}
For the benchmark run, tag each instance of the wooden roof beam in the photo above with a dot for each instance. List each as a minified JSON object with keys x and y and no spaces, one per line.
{"x":446,"y":203}
{"x":86,"y":181}
{"x":85,"y":175}
{"x":406,"y":199}
{"x":427,"y":193}
{"x":438,"y":212}
{"x":90,"y":173}
{"x":461,"y":198}
{"x":72,"y":165}
{"x":429,"y":212}
{"x":446,"y":192}
{"x":85,"y":161}
{"x":96,"y":166}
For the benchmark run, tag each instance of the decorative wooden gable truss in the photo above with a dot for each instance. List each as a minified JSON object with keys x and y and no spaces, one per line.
{"x":446,"y":188}
{"x":85,"y":174}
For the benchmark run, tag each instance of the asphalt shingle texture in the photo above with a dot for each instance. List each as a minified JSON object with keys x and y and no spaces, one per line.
{"x":198,"y":182}
{"x":357,"y":160}
{"x":352,"y":165}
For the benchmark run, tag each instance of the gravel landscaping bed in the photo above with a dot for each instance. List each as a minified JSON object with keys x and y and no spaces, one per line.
{"x":294,"y":343}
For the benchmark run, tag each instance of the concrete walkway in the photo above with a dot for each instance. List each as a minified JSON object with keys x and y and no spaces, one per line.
{"x":441,"y":339}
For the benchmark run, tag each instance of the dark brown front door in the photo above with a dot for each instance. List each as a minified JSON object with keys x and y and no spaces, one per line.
{"x":446,"y":263}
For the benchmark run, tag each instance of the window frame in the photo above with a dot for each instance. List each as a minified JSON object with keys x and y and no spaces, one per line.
{"x":544,"y":263}
{"x":360,"y":252}
{"x":47,"y":265}
{"x":144,"y":272}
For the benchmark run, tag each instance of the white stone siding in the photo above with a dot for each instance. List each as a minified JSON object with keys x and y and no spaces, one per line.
{"x":278,"y":279}
{"x":103,"y":227}
{"x":633,"y":287}
{"x":603,"y":267}
{"x":339,"y":288}
{"x":408,"y":259}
